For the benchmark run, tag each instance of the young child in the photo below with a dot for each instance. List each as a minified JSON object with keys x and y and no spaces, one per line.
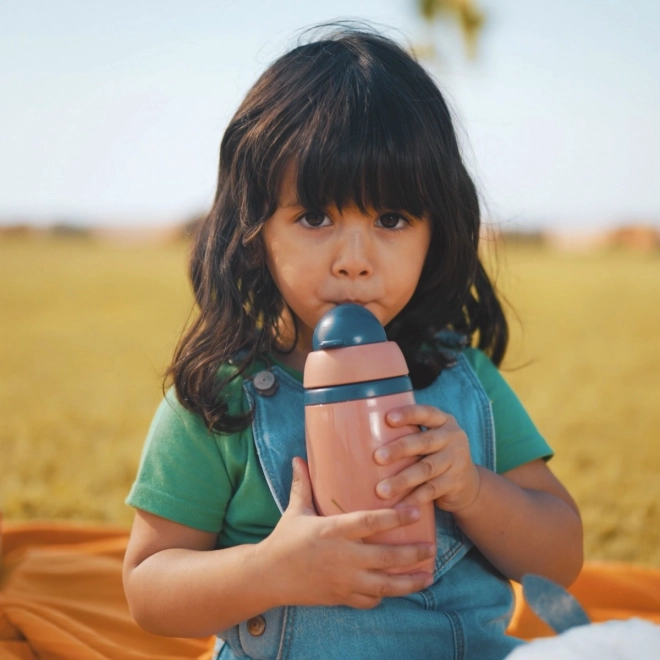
{"x":341,"y":180}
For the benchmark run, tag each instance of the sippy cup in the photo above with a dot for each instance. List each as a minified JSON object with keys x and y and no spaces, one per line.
{"x":353,"y":377}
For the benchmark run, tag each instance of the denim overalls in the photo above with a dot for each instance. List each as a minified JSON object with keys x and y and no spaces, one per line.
{"x":463,"y":614}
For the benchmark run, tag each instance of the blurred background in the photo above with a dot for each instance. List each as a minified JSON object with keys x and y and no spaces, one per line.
{"x":111,"y":115}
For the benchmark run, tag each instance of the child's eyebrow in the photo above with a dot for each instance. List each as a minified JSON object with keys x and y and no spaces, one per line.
{"x":291,"y":204}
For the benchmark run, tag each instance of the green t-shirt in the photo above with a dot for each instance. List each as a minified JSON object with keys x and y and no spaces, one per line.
{"x":215,"y":483}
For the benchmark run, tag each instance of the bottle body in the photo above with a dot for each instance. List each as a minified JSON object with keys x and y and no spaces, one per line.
{"x":341,"y":440}
{"x":353,"y":377}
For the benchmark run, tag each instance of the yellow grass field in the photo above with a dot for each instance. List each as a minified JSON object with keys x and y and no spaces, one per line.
{"x":87,"y":328}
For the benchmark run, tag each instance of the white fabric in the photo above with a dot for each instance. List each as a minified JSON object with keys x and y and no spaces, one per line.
{"x":634,"y":639}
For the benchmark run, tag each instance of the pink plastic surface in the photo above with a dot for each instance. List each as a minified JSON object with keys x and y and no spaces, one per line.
{"x":354,"y":364}
{"x":341,"y":440}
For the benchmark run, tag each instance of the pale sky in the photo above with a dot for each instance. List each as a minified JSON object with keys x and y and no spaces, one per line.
{"x":111,"y":112}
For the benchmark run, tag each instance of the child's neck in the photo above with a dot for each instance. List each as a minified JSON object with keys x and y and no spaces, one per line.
{"x":294,"y":360}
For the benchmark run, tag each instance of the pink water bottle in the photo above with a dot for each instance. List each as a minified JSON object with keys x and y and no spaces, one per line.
{"x":352,"y":379}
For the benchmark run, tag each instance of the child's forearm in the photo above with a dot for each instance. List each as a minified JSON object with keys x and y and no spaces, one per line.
{"x":521,"y":530}
{"x":191,"y":593}
{"x":178,"y":586}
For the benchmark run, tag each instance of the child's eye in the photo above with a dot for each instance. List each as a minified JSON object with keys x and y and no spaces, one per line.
{"x":314,"y":219}
{"x":393,"y":221}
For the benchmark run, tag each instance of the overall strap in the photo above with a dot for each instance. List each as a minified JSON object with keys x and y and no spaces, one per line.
{"x":278,"y":427}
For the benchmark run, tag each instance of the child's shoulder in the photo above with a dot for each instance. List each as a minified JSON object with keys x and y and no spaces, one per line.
{"x":452,"y":339}
{"x":453,"y":343}
{"x":479,"y":361}
{"x":174,"y":414}
{"x":172,"y":418}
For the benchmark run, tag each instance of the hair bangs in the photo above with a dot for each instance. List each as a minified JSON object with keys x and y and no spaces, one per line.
{"x":358,"y":148}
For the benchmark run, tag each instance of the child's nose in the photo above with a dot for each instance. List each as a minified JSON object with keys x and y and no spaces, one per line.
{"x":353,"y":258}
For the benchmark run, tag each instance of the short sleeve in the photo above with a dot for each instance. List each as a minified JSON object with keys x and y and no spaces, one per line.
{"x":518,"y":441}
{"x":182,"y":474}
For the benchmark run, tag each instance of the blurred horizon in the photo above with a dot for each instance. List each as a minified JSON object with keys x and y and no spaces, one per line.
{"x":112,"y":113}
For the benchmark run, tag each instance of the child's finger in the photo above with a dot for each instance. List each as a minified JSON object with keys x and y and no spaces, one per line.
{"x":362,"y":602}
{"x":417,"y":415}
{"x":415,"y":444}
{"x":444,"y":491}
{"x":300,"y":500}
{"x":429,"y":491}
{"x":422,"y":473}
{"x":360,"y":524}
{"x":383,"y":557}
{"x":381,"y":585}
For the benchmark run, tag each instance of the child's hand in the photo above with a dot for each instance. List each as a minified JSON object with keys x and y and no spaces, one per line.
{"x":317,"y":560}
{"x":445,"y":472}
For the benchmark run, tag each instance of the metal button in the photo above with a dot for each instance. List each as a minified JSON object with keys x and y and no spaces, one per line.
{"x":265,"y":383}
{"x":256,"y":626}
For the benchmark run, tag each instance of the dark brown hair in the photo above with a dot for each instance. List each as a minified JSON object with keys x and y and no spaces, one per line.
{"x":365,"y":125}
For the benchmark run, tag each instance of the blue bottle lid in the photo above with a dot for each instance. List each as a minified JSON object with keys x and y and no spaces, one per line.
{"x":351,"y":325}
{"x":347,"y":325}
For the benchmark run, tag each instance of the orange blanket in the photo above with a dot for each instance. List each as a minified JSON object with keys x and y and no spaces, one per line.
{"x":61,"y":598}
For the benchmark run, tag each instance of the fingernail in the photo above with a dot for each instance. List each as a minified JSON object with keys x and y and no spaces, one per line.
{"x":384,"y":489}
{"x":415,"y":513}
{"x":395,"y":417}
{"x":382,"y":454}
{"x":429,"y":581}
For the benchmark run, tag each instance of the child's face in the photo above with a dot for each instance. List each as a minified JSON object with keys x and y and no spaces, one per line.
{"x":319,"y":259}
